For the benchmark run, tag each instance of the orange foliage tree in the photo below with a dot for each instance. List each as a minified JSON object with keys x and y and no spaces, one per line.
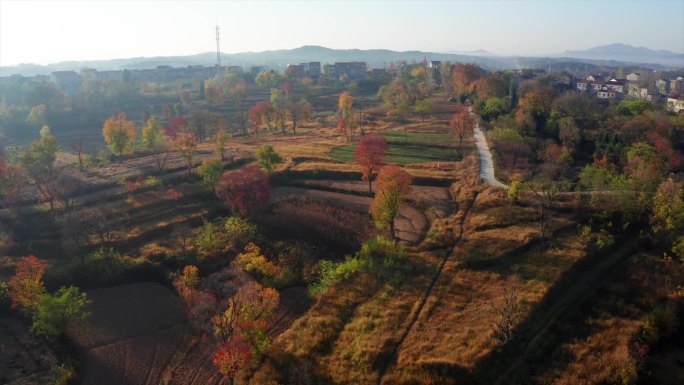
{"x":186,"y":143}
{"x":241,"y":327}
{"x":370,"y":154}
{"x":393,"y":186}
{"x":26,"y":286}
{"x":345,"y":113}
{"x":465,"y":76}
{"x":119,"y":134}
{"x":461,"y":124}
{"x":534,"y":108}
{"x":245,"y":190}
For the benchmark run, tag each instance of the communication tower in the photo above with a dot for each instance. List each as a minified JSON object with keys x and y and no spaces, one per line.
{"x":218,"y":52}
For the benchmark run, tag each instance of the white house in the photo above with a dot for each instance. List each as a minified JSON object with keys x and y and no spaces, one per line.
{"x":675,"y":105}
{"x":633,"y":77}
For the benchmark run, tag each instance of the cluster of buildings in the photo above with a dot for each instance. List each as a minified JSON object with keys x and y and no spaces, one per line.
{"x":633,"y":85}
{"x":331,"y":72}
{"x":311,"y":69}
{"x":70,"y":81}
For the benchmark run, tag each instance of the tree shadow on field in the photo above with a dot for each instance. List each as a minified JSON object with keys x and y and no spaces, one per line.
{"x":561,"y":316}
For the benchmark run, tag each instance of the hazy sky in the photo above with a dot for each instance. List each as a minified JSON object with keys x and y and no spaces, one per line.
{"x":50,"y":31}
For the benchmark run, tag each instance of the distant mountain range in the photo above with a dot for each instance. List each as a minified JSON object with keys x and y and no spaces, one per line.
{"x":627,"y":53}
{"x":611,"y":55}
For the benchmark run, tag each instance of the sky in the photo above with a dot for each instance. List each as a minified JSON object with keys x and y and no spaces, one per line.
{"x":44,"y":32}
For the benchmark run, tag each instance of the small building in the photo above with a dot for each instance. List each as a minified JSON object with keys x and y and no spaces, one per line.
{"x":355,"y":70}
{"x":254,"y":70}
{"x":662,"y":86}
{"x":436,"y":64}
{"x":67,"y":81}
{"x":584,"y":85}
{"x":608,"y":93}
{"x":312,"y":69}
{"x":616,"y":85}
{"x":595,"y":78}
{"x":675,"y":105}
{"x":111,"y":75}
{"x":676,"y":85}
{"x":633,"y":77}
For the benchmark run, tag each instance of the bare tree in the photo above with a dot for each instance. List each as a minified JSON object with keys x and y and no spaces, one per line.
{"x":545,"y":193}
{"x":508,"y":309}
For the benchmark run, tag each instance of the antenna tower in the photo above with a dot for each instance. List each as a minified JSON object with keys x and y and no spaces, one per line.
{"x":218,"y":52}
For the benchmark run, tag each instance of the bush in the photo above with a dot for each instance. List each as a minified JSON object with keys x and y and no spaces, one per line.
{"x":63,"y":374}
{"x":56,"y":311}
{"x":208,"y":240}
{"x":378,"y":256}
{"x":239,"y":232}
{"x":5,"y":300}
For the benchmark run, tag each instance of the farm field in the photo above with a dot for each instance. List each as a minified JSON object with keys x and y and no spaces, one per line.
{"x":414,"y":147}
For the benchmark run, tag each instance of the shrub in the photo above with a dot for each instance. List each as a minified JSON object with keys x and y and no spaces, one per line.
{"x":63,"y":374}
{"x":267,"y":158}
{"x":153,"y":182}
{"x":55,"y":312}
{"x":103,"y":265}
{"x":239,"y":232}
{"x":5,"y":300}
{"x":208,"y":240}
{"x":378,"y":256}
{"x":255,"y":263}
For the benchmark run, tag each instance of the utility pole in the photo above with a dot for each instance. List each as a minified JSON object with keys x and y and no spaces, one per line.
{"x":218,"y":53}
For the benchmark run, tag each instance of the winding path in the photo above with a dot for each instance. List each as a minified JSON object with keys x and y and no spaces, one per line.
{"x":486,"y":162}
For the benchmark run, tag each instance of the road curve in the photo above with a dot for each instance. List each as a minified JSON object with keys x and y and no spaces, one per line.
{"x":486,"y":162}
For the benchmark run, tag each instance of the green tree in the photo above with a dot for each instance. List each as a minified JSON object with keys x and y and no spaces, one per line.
{"x":207,"y":239}
{"x":222,"y":138}
{"x":267,"y":158}
{"x":493,"y":108}
{"x":210,"y":170}
{"x":424,"y":108}
{"x":39,"y":162}
{"x":37,"y":115}
{"x":56,"y":312}
{"x":668,"y":215}
{"x":279,"y":105}
{"x":155,"y":140}
{"x":39,"y":158}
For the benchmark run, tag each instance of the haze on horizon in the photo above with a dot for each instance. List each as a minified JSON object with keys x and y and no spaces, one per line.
{"x":44,"y":32}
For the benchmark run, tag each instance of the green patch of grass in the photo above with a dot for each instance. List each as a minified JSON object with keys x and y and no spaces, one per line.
{"x":415,"y":147}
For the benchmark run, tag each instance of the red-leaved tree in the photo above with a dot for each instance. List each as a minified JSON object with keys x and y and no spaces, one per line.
{"x":245,"y":190}
{"x":257,"y":115}
{"x":175,"y":127}
{"x":370,"y":154}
